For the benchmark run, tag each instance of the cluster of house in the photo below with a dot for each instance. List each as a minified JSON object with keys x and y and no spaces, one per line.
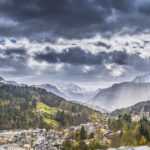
{"x":51,"y":140}
{"x":18,"y":140}
{"x":40,"y":139}
{"x":144,"y":113}
{"x":14,"y":146}
{"x":100,"y":130}
{"x":89,"y":127}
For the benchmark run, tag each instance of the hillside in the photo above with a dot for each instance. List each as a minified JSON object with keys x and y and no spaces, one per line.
{"x":23,"y":107}
{"x":137,"y":108}
{"x":122,"y":95}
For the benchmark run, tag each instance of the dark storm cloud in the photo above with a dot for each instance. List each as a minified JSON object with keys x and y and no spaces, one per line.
{"x":49,"y":19}
{"x":74,"y":62}
{"x":14,"y":62}
{"x":102,"y":44}
{"x":80,"y":57}
{"x":20,"y":52}
{"x":145,"y":8}
{"x":14,"y":53}
{"x":54,"y":17}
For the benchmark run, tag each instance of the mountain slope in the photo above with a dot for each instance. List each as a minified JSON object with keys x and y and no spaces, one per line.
{"x":23,"y":107}
{"x":2,"y":80}
{"x":50,"y":88}
{"x":122,"y":95}
{"x":74,"y":92}
{"x":137,"y":108}
{"x":71,"y":92}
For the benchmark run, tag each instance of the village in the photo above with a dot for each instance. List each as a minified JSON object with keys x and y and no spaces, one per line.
{"x":41,"y":139}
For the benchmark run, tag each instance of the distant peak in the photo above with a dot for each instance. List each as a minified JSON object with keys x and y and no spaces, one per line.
{"x":142,"y":79}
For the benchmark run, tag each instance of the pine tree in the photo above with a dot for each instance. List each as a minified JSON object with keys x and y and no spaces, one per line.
{"x":82,"y":133}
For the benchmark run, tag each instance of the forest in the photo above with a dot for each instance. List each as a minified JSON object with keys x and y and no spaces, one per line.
{"x":29,"y":107}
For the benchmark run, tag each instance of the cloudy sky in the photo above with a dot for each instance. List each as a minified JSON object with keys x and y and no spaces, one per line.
{"x":93,"y":43}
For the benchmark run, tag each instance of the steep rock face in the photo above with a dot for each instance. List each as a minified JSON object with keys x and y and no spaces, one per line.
{"x":122,"y":95}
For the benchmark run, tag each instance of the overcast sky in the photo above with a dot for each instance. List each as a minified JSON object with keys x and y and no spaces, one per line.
{"x":93,"y":43}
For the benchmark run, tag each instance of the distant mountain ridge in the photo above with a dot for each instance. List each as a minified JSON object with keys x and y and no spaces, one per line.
{"x":71,"y":92}
{"x":50,"y":88}
{"x":124,"y":94}
{"x":142,"y":79}
{"x":117,"y":96}
{"x":2,"y":80}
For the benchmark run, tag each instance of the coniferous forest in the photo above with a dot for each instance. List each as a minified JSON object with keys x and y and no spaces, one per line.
{"x":30,"y":107}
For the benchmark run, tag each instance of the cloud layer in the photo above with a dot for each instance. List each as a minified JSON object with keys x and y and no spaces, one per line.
{"x":74,"y":41}
{"x":47,"y":20}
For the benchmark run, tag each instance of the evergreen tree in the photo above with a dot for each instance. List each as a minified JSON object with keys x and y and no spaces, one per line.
{"x":82,"y":133}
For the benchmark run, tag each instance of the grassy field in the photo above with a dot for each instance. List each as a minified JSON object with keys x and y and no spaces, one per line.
{"x":48,"y":114}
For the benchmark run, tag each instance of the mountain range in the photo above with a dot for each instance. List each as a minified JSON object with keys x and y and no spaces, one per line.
{"x":123,"y":94}
{"x":115,"y":97}
{"x":24,"y":107}
{"x":71,"y":92}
